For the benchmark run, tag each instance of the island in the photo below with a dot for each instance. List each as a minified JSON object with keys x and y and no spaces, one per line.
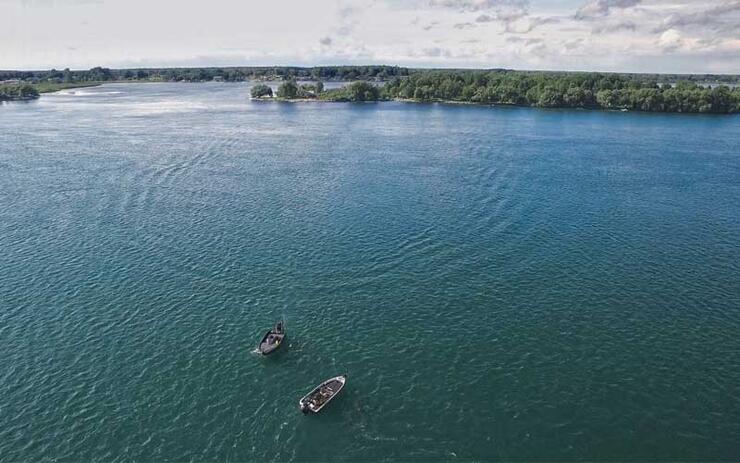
{"x":670,"y":93}
{"x":516,"y":88}
{"x":566,"y":90}
{"x":17,"y":92}
{"x":22,"y":91}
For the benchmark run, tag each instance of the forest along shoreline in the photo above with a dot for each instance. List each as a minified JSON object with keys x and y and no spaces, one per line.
{"x":576,"y":90}
{"x":687,"y":93}
{"x":26,"y":92}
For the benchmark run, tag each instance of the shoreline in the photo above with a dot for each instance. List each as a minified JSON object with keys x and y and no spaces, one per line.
{"x":275,"y":99}
{"x":53,"y":88}
{"x":45,"y":87}
{"x":487,"y":105}
{"x":664,"y":93}
{"x":457,"y":103}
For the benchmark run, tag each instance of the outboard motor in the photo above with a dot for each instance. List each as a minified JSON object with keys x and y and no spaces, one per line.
{"x":304,"y":408}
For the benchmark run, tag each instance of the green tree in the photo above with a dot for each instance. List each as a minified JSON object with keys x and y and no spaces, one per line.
{"x":18,"y":92}
{"x":424,"y":93}
{"x":605,"y":98}
{"x":362,"y":91}
{"x":356,"y":91}
{"x":550,"y":98}
{"x":288,"y":89}
{"x":721,"y":99}
{"x":260,"y":91}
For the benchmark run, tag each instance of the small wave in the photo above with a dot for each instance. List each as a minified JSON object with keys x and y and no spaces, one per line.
{"x":371,"y":437}
{"x":160,"y":107}
{"x":77,"y":92}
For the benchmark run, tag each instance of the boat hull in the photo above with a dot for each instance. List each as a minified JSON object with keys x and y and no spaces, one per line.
{"x":272,"y":340}
{"x":316,"y":400}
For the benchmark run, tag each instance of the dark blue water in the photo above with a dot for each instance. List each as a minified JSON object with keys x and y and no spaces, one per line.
{"x":498,"y":283}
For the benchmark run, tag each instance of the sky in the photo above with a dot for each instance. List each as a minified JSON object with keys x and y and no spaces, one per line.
{"x":667,"y":36}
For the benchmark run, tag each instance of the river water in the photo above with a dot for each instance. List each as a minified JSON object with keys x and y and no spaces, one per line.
{"x":497,"y":283}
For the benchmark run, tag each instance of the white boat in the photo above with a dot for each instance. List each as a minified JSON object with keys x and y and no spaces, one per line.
{"x":317,"y":399}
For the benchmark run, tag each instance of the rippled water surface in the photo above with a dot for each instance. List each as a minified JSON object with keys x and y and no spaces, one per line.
{"x":498,"y":283}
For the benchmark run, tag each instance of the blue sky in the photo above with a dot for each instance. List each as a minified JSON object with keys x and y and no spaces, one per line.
{"x":604,"y":35}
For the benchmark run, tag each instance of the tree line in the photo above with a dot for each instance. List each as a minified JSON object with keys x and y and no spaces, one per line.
{"x":292,"y":90}
{"x":227,"y":74}
{"x":564,"y":90}
{"x":325,"y":73}
{"x":18,"y":92}
{"x":544,"y":90}
{"x":639,"y":92}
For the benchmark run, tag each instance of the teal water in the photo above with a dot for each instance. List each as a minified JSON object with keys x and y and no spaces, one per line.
{"x":498,"y":283}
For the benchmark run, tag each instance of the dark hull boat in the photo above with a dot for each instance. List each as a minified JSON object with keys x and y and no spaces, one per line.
{"x":317,"y":399}
{"x":272,"y":340}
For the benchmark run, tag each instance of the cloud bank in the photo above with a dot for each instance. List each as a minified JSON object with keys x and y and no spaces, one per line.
{"x":605,"y":35}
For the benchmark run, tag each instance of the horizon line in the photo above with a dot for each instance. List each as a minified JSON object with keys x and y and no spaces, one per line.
{"x":429,"y":68}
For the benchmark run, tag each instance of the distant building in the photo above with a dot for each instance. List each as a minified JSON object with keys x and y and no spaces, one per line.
{"x":11,"y":81}
{"x":218,"y":78}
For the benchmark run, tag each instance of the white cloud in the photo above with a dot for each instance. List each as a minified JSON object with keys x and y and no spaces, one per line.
{"x":478,"y":5}
{"x":721,"y":17}
{"x":603,"y":7}
{"x":611,"y":35}
{"x":670,"y":40}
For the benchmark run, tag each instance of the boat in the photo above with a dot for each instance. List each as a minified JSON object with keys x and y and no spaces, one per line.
{"x":317,"y":399}
{"x":273,"y":339}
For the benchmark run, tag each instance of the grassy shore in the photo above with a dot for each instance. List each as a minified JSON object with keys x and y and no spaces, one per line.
{"x":30,"y":91}
{"x":50,"y":87}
